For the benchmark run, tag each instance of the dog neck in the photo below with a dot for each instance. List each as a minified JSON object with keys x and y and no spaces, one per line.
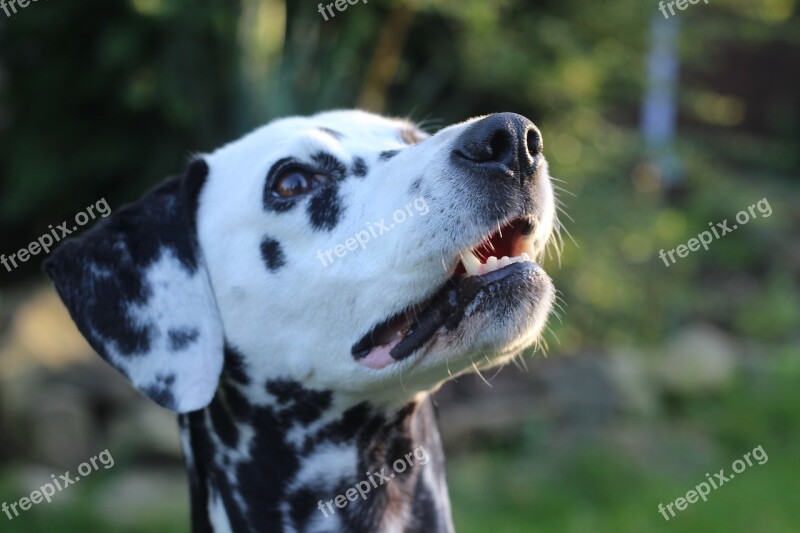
{"x":309,"y":460}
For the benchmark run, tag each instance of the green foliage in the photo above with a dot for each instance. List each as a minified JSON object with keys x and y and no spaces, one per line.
{"x":603,"y":487}
{"x":106,"y":98}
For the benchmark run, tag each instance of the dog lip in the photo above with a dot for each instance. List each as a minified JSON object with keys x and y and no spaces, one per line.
{"x":414,"y":315}
{"x":405,"y":333}
{"x":446,"y":308}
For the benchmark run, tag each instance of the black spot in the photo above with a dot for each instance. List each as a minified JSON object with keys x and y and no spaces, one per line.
{"x":198,"y":487}
{"x":210,"y":480}
{"x":235,"y":367}
{"x":325,"y":209}
{"x":222,"y":421}
{"x":423,"y":510}
{"x":359,"y":167}
{"x":388,"y":154}
{"x":160,"y":391}
{"x":194,"y":180}
{"x":240,"y":407}
{"x":345,"y":429}
{"x":284,"y":390}
{"x":415,"y":186}
{"x":302,"y":505}
{"x":180,"y":339}
{"x":263,"y":479}
{"x":330,"y":165}
{"x":272,"y":254}
{"x":299,"y":403}
{"x":333,"y":133}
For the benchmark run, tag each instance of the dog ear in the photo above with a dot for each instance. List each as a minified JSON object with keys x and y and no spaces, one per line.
{"x":138,"y":290}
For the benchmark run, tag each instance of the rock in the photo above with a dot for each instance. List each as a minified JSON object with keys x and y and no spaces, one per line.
{"x":147,"y":429}
{"x":62,"y":430}
{"x":698,"y":360}
{"x":629,"y":370}
{"x":42,"y":333}
{"x":580,"y":394}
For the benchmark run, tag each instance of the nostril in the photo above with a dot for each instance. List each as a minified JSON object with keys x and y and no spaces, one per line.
{"x":506,"y":141}
{"x":500,"y":145}
{"x":533,"y":142}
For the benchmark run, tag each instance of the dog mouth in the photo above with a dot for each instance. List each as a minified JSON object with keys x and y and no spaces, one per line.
{"x":499,"y":263}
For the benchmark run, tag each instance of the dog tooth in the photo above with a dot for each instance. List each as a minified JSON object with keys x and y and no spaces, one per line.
{"x":530,"y":249}
{"x":471,"y":263}
{"x":491,"y":264}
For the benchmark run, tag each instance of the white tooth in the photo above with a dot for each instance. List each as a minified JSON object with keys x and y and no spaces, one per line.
{"x":525,"y":257}
{"x":491,"y":264}
{"x":530,"y":249}
{"x":504,"y":262}
{"x":471,"y":263}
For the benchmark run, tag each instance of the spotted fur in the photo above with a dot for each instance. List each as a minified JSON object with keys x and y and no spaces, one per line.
{"x":208,"y":296}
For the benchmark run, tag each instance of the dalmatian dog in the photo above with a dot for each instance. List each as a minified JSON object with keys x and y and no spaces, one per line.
{"x":274,"y":297}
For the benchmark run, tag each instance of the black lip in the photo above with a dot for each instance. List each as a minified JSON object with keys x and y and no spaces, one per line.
{"x":446,"y":308}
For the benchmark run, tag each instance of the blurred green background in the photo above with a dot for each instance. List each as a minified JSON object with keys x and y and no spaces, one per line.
{"x":654,"y":376}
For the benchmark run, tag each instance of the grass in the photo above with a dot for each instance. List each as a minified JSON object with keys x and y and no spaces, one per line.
{"x":593,"y":485}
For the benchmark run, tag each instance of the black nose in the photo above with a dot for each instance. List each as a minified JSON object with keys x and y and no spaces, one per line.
{"x":503,"y":141}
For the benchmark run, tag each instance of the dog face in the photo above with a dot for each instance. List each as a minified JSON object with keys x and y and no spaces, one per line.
{"x":344,"y":251}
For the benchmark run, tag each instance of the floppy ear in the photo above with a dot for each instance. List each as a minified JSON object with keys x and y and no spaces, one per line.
{"x":138,"y":290}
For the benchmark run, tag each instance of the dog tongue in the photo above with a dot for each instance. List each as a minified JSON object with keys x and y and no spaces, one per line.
{"x":379,"y":357}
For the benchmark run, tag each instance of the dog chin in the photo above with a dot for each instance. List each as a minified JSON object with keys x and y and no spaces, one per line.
{"x":505,"y":317}
{"x":490,"y":319}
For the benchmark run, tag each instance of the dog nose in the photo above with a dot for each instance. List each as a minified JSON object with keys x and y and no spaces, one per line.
{"x":503,"y":141}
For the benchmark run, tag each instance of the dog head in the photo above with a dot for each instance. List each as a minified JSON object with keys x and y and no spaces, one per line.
{"x":345,"y":251}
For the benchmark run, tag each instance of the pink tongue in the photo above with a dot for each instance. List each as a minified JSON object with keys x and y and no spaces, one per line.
{"x":379,"y":356}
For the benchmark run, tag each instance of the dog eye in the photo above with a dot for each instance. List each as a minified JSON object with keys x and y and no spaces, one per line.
{"x":296,"y":181}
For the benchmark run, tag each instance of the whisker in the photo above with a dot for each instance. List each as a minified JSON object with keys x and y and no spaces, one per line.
{"x":563,"y":212}
{"x":565,"y":191}
{"x":477,"y":370}
{"x":554,"y":334}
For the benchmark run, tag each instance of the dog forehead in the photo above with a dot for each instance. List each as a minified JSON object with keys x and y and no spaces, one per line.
{"x":358,"y":123}
{"x":339,"y":132}
{"x":347,"y":128}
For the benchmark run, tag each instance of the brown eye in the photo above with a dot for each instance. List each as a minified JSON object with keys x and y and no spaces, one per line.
{"x":294,"y":182}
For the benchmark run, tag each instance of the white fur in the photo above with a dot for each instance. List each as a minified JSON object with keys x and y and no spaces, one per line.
{"x":301,"y":321}
{"x":178,"y":301}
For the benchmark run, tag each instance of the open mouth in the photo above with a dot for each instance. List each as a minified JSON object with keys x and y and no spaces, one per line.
{"x":500,"y":258}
